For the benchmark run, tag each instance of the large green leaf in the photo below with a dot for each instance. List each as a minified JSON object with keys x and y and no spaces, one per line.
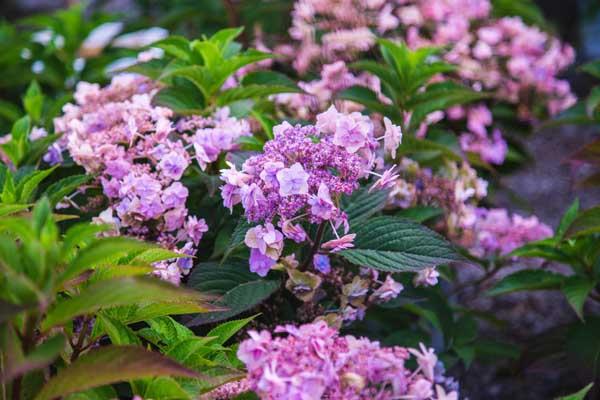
{"x":237,"y":237}
{"x":227,"y":329}
{"x":361,"y":204}
{"x":587,"y":222}
{"x":529,"y":279}
{"x":369,"y":99}
{"x":396,"y":244}
{"x":241,"y":289}
{"x":111,"y":364}
{"x":181,"y":99}
{"x":121,"y":292}
{"x":567,"y":219}
{"x":576,"y":289}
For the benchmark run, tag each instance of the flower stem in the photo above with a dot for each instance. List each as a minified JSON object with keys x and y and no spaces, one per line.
{"x":315,"y":247}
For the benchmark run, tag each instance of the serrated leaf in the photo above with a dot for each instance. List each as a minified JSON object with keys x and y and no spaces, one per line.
{"x":122,"y":292}
{"x":227,"y":329}
{"x":529,"y":279}
{"x":164,"y":388}
{"x":420,"y":214}
{"x":241,"y":289}
{"x":395,"y":244}
{"x":361,"y":205}
{"x":119,"y":333}
{"x":170,"y":330}
{"x":237,"y":237}
{"x":156,"y":254}
{"x":576,"y":289}
{"x":111,"y":364}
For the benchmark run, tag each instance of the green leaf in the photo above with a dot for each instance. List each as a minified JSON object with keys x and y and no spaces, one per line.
{"x":165,"y":388}
{"x":241,"y":289}
{"x":119,"y":333}
{"x":64,"y":187}
{"x":169,"y":330}
{"x":111,"y":364}
{"x":33,"y":101}
{"x":440,"y":96}
{"x":361,"y":205}
{"x":529,"y":12}
{"x":182,"y":99}
{"x":226,"y":330}
{"x":237,"y":237}
{"x":420,"y":214}
{"x":27,"y":186}
{"x":576,"y":289}
{"x":587,"y":222}
{"x":593,"y":101}
{"x":99,"y":393}
{"x":176,"y":46}
{"x":529,"y":279}
{"x":567,"y":219}
{"x":592,"y":68}
{"x":412,"y":146}
{"x":156,"y":254}
{"x":369,"y":99}
{"x":102,"y":251}
{"x":7,"y":209}
{"x":9,"y":192}
{"x":225,"y":36}
{"x":580,"y":395}
{"x":122,"y":292}
{"x":41,"y":356}
{"x":251,"y":92}
{"x":395,"y":244}
{"x":268,"y":78}
{"x":16,"y":148}
{"x":79,"y":235}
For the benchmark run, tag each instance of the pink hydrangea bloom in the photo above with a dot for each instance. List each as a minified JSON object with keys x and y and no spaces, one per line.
{"x":314,"y":361}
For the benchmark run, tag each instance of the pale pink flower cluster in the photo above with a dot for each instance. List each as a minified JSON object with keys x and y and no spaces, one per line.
{"x":315,"y":362}
{"x":139,"y":152}
{"x":516,"y":62}
{"x":497,"y":232}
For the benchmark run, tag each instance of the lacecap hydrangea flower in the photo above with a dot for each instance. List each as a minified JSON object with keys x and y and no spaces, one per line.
{"x":139,"y":152}
{"x":314,"y":361}
{"x":299,"y":177}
